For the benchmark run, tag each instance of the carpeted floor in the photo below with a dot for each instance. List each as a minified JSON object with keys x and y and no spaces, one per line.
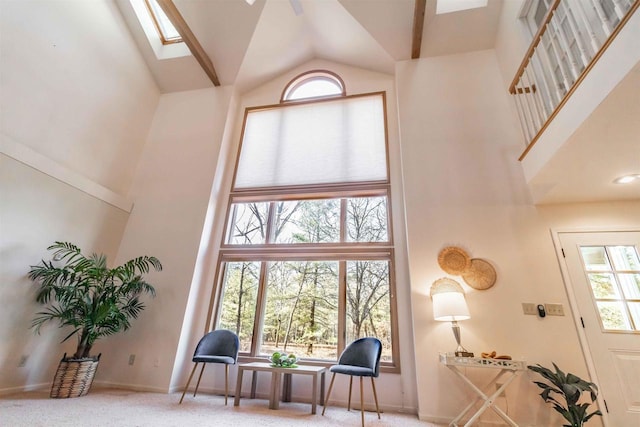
{"x":109,"y":407}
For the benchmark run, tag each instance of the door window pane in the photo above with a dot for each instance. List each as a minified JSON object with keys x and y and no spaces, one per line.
{"x":307,"y":221}
{"x":603,"y":285}
{"x":630,"y":285}
{"x":595,"y":258}
{"x":613,"y":315}
{"x":247,"y":223}
{"x":634,"y":308}
{"x":301,"y":310}
{"x":238,"y":308}
{"x":368,"y":303}
{"x":625,"y":257}
{"x":367,"y":219}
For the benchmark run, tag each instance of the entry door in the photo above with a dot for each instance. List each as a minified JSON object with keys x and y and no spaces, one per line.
{"x":604,"y":270}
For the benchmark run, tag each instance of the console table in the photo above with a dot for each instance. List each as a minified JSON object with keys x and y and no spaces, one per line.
{"x":276,"y":379}
{"x":507,"y":369}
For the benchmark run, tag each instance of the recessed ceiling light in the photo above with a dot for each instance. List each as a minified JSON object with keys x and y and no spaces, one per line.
{"x":626,"y":179}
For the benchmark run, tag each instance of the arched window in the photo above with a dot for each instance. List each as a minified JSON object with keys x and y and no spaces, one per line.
{"x":314,"y":84}
{"x":306,"y":264}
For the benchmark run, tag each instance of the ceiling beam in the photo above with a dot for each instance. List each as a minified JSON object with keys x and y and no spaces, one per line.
{"x":418,"y":25}
{"x":190,"y":39}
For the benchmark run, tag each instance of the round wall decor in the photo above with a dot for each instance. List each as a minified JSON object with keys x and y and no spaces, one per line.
{"x":454,"y":260}
{"x":481,"y":275}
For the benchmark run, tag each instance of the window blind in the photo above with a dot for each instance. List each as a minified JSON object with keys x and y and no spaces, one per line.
{"x":337,"y":141}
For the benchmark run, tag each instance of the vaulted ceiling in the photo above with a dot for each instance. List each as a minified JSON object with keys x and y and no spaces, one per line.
{"x":250,"y":44}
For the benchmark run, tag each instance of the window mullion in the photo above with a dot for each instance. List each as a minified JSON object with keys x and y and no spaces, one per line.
{"x":270,"y":222}
{"x":258,"y":321}
{"x":342,"y":306}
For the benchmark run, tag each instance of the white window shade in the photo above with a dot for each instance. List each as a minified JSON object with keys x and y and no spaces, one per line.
{"x":337,"y":141}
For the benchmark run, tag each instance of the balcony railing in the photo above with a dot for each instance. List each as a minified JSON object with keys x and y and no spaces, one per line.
{"x":570,"y":39}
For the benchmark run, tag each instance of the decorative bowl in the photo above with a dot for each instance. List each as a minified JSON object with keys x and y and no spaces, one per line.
{"x":283,"y":360}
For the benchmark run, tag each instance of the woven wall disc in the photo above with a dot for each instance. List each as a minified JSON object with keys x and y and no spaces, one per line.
{"x":454,"y":260}
{"x":481,"y":275}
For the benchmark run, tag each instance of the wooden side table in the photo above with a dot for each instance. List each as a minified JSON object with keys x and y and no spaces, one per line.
{"x":510,"y":368}
{"x":276,"y":379}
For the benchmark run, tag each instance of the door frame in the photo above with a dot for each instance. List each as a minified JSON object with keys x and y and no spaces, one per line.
{"x":570,"y":291}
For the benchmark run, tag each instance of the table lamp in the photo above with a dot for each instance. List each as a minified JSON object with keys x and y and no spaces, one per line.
{"x":449,"y":305}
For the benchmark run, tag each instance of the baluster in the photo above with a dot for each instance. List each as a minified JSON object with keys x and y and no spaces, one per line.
{"x":606,"y":25}
{"x":537,"y":66}
{"x":619,"y":8}
{"x":554,"y":51}
{"x":526,"y":93}
{"x":584,"y":54}
{"x":556,"y":23}
{"x":521,"y":117}
{"x":535,"y":95}
{"x":547,"y":66}
{"x":593,"y":38}
{"x":527,"y":107}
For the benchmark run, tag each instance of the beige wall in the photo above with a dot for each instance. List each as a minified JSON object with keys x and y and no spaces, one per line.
{"x":396,"y":392}
{"x":76,"y":104}
{"x":171,"y":192}
{"x":464,"y":187}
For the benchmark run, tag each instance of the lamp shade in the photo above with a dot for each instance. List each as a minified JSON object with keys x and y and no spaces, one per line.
{"x":450,"y":306}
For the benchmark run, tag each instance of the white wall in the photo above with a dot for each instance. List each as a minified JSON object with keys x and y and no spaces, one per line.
{"x":395,"y":391}
{"x":464,"y":187}
{"x":76,"y":99}
{"x":171,"y":192}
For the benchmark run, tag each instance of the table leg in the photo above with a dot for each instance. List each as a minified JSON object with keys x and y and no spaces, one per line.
{"x":286,"y":388}
{"x":254,"y":381}
{"x":314,"y":393}
{"x":236,"y":399}
{"x":322,"y":388}
{"x":274,"y":397}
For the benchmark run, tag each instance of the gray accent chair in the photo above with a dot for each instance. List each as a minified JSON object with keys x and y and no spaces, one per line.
{"x":219,"y":346}
{"x":361,"y":359}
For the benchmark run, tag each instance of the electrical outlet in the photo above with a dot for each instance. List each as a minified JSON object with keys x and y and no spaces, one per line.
{"x":554,"y":309}
{"x":132,"y":359}
{"x":23,"y":361}
{"x":529,"y":308}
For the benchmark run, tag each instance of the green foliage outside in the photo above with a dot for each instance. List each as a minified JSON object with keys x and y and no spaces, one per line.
{"x":302,"y":297}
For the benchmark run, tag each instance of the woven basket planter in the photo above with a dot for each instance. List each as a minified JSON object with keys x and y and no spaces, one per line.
{"x":74,"y":377}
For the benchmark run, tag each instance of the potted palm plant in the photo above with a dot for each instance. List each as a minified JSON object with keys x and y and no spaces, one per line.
{"x":568,"y":389}
{"x":94,"y":301}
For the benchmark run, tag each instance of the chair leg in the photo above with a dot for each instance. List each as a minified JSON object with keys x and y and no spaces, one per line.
{"x":350,"y":384}
{"x":226,"y":383}
{"x":375,"y":396}
{"x":188,"y":381}
{"x":361,"y":402}
{"x":199,"y":378}
{"x":326,"y":401}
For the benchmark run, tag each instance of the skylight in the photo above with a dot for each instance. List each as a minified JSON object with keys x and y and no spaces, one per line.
{"x":447,"y":6}
{"x":168,"y":33}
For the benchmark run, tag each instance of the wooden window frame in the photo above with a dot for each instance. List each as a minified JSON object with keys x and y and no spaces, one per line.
{"x":342,"y":251}
{"x":165,"y":41}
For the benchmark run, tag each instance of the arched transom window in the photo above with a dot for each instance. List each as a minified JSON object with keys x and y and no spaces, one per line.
{"x":314,"y":84}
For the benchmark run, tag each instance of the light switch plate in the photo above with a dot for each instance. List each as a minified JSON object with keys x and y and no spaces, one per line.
{"x":529,"y":308}
{"x":554,"y":309}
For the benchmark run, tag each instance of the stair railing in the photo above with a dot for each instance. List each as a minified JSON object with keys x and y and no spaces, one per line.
{"x":571,"y":38}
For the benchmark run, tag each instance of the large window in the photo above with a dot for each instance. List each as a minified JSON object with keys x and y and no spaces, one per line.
{"x":306,"y":264}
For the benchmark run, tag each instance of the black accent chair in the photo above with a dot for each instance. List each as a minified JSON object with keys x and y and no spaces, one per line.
{"x":361,"y":358}
{"x":219,"y":346}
